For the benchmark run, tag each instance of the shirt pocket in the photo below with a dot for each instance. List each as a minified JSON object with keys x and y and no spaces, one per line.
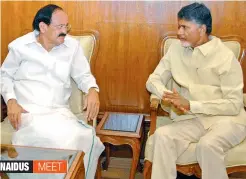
{"x":30,"y":69}
{"x":61,"y":71}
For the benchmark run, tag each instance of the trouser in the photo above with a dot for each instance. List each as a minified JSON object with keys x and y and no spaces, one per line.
{"x":170,"y":141}
{"x":60,"y":129}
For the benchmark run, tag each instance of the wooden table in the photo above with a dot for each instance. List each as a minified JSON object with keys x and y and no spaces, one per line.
{"x":119,"y":129}
{"x":75,"y":171}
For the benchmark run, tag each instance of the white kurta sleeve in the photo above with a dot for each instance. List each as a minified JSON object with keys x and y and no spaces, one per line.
{"x":8,"y":70}
{"x":81,"y":72}
{"x":158,"y":80}
{"x":231,"y":84}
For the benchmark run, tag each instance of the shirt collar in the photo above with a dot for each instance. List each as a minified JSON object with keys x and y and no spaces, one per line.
{"x":33,"y":39}
{"x":208,"y":46}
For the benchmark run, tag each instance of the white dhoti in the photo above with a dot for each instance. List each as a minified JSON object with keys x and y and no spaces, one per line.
{"x":62,"y":130}
{"x":170,"y":141}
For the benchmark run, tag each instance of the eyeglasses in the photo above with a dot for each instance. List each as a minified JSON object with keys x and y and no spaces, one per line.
{"x":61,"y":26}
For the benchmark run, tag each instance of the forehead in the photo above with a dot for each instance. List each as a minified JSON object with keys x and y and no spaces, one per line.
{"x":60,"y":17}
{"x":183,"y":22}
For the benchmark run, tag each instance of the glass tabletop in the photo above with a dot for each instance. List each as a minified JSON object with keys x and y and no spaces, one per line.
{"x":122,"y":122}
{"x":21,"y":153}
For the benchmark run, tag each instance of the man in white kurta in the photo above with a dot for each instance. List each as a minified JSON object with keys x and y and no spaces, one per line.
{"x":36,"y":85}
{"x":206,"y":103}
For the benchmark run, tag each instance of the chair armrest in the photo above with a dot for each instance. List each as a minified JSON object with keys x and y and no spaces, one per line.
{"x":154,"y":103}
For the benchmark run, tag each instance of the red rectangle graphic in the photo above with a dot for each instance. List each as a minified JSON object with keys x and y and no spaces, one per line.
{"x":49,"y":166}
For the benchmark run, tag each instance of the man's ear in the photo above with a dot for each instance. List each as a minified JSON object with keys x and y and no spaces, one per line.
{"x":43,"y":27}
{"x":203,"y":30}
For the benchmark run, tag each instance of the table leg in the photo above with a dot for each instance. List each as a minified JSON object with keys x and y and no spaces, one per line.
{"x":135,"y":145}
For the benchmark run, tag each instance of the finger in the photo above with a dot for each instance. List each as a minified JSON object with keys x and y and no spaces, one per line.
{"x":180,"y":107}
{"x":15,"y":120}
{"x":98,"y":107}
{"x":85,"y":103}
{"x":167,"y":92}
{"x":10,"y":116}
{"x":175,"y":103}
{"x":92,"y":111}
{"x":166,"y":99}
{"x":168,"y":96}
{"x":18,"y":121}
{"x":85,"y":108}
{"x":88,"y":111}
{"x":175,"y":91}
{"x":14,"y":123}
{"x":172,"y":95}
{"x":24,"y":111}
{"x":86,"y":114}
{"x":95,"y":111}
{"x":183,"y":109}
{"x":11,"y":120}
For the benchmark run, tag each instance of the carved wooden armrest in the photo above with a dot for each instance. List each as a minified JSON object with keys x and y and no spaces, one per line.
{"x":154,"y":103}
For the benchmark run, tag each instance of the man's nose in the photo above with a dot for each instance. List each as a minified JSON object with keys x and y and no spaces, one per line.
{"x":64,"y":30}
{"x":180,"y":31}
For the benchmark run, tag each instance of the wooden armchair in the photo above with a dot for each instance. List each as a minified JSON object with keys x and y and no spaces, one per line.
{"x":187,"y":164}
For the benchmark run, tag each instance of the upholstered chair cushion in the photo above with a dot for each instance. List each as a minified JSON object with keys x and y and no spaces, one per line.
{"x":77,"y":98}
{"x":235,"y":156}
{"x":234,"y":46}
{"x":244,"y":99}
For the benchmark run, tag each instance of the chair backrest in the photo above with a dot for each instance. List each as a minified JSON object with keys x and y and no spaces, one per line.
{"x":235,"y":43}
{"x":89,"y":41}
{"x":231,"y":42}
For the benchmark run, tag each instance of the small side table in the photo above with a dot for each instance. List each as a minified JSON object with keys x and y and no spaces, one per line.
{"x":119,"y":129}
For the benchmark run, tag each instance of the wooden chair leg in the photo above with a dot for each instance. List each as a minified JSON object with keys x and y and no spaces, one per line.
{"x":147,"y":169}
{"x":107,"y":150}
{"x":135,"y":153}
{"x":99,"y":169}
{"x":107,"y":155}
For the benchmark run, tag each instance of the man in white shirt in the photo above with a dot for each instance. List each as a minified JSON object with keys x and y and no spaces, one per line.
{"x":206,"y":104}
{"x":36,"y":86}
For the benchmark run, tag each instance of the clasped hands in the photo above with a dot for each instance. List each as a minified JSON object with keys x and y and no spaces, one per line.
{"x":176,"y":100}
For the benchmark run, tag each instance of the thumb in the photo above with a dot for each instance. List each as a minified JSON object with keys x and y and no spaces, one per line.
{"x":174,"y":90}
{"x":85,"y":104}
{"x":24,"y":111}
